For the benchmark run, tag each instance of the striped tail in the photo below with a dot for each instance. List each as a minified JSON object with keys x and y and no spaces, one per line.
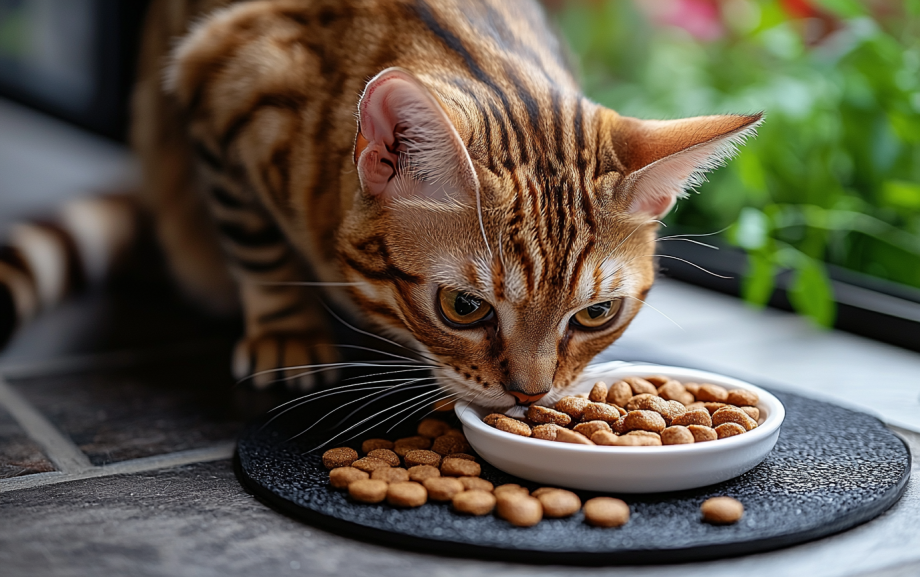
{"x":42,"y":262}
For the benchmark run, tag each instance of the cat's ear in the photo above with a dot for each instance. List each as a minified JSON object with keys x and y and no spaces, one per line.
{"x":406,"y":145}
{"x":660,"y":159}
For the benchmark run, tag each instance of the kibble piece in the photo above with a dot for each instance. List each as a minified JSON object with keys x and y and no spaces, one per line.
{"x":432,"y":428}
{"x":443,"y":488}
{"x":606,"y":512}
{"x":391,"y":475}
{"x":513,"y":426}
{"x":591,"y":427}
{"x":374,"y":444}
{"x":519,"y":510}
{"x":513,"y":487}
{"x":368,"y":490}
{"x":598,"y":392}
{"x":460,"y":468}
{"x":339,"y":457}
{"x":559,"y":503}
{"x":647,"y":402}
{"x":403,"y":446}
{"x":692,"y":388}
{"x":385,"y":455}
{"x":620,"y":409}
{"x":572,"y":406}
{"x":729,"y":430}
{"x":604,"y":438}
{"x":722,"y":510}
{"x":341,"y":477}
{"x":451,"y":443}
{"x":422,"y":457}
{"x":537,"y":492}
{"x":677,"y":408}
{"x":713,"y":407}
{"x":419,"y":473}
{"x":567,"y":436}
{"x":492,"y":419}
{"x":460,"y":456}
{"x":630,"y":440}
{"x":702,"y":433}
{"x":711,"y":393}
{"x":676,"y":435}
{"x":455,"y":433}
{"x":474,"y":502}
{"x":752,"y":412}
{"x":674,"y":391}
{"x":659,"y":380}
{"x":545,"y":432}
{"x":742,"y":398}
{"x":407,"y":494}
{"x":643,"y":420}
{"x":640,"y":386}
{"x":619,"y":394}
{"x":730,"y":414}
{"x":693,"y":417}
{"x":476,"y":484}
{"x":544,"y":415}
{"x":601,"y":412}
{"x":369,"y":464}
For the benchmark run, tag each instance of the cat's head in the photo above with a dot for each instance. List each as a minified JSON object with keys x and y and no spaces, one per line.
{"x":512,"y":244}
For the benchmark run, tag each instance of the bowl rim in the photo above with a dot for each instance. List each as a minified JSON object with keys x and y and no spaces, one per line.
{"x":471,"y":415}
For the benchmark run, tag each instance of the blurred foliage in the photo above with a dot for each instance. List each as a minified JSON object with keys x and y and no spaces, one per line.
{"x":834,"y":175}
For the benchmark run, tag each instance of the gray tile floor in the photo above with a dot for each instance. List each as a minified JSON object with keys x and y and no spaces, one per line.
{"x":117,"y":418}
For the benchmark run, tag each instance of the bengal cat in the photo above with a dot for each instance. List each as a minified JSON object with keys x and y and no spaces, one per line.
{"x":432,"y":161}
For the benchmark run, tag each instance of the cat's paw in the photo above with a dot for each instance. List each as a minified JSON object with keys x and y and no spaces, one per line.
{"x":291,"y":361}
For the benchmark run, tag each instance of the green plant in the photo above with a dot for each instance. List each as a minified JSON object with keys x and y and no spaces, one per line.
{"x":834,"y":174}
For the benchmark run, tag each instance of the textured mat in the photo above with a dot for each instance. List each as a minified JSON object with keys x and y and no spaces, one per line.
{"x":831,"y":469}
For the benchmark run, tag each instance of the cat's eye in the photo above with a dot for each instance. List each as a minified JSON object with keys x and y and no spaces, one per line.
{"x":597,"y":315}
{"x":462,"y":308}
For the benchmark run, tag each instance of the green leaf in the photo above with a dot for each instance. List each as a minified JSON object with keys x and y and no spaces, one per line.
{"x":901,"y":194}
{"x":845,"y":8}
{"x":811,"y":293}
{"x":759,"y":279}
{"x":751,"y":230}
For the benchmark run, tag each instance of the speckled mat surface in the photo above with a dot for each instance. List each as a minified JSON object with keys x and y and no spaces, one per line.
{"x":831,"y":469}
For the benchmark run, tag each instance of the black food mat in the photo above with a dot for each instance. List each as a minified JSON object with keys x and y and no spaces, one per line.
{"x":831,"y":469}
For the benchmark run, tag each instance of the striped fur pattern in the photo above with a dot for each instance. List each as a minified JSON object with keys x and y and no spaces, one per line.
{"x":475,"y":165}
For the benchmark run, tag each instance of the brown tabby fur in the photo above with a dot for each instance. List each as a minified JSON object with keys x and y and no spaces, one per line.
{"x":250,"y":151}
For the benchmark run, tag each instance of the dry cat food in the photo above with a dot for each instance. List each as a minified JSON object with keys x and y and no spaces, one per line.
{"x":639,"y":412}
{"x":722,"y":510}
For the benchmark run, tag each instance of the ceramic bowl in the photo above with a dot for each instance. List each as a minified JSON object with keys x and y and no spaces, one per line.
{"x":628,"y":469}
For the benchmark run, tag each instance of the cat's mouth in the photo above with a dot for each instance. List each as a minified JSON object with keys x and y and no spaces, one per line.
{"x":525,"y":400}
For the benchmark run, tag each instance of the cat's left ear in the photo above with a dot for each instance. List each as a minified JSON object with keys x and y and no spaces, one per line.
{"x":660,"y":159}
{"x":406,"y":145}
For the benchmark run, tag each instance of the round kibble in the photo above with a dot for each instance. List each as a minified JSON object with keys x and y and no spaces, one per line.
{"x":702,"y":433}
{"x":712,"y":407}
{"x":693,"y":417}
{"x":591,"y":427}
{"x":476,"y":484}
{"x":729,"y":414}
{"x":598,"y":392}
{"x":450,"y":443}
{"x":545,"y":432}
{"x":647,"y":402}
{"x":544,"y":415}
{"x":722,"y":510}
{"x":640,"y":386}
{"x":676,"y":435}
{"x":460,"y":456}
{"x":474,"y":502}
{"x":711,"y":393}
{"x":567,"y":436}
{"x":692,"y":388}
{"x":606,"y":512}
{"x":422,"y":457}
{"x":619,"y":394}
{"x":630,"y":440}
{"x":403,"y":446}
{"x":677,"y":408}
{"x":455,"y":433}
{"x":519,"y":510}
{"x":513,"y":426}
{"x":385,"y":455}
{"x":674,"y":391}
{"x":341,"y":477}
{"x":600,"y":412}
{"x":443,"y":488}
{"x":369,"y":464}
{"x":604,"y":438}
{"x":460,"y":468}
{"x":391,"y":475}
{"x":492,"y":419}
{"x":419,"y":473}
{"x":559,"y":503}
{"x":432,"y":428}
{"x":742,"y":398}
{"x":752,"y":412}
{"x":729,"y":430}
{"x":537,"y":492}
{"x":659,"y":380}
{"x":643,"y":420}
{"x":513,"y":487}
{"x":368,"y":490}
{"x":572,"y":406}
{"x":374,"y":444}
{"x":407,"y":494}
{"x":339,"y":457}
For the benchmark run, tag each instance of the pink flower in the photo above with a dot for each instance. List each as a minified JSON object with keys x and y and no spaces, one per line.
{"x":701,"y":18}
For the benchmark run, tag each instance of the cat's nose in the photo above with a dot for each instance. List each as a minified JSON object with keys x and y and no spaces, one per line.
{"x":524,"y":399}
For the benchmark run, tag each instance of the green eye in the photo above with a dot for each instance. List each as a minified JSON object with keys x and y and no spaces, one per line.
{"x":598,"y":314}
{"x":462,"y":308}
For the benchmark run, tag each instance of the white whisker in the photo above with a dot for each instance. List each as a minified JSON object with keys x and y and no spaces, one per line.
{"x":689,"y":240}
{"x":656,"y":310}
{"x":691,"y":264}
{"x":372,"y":335}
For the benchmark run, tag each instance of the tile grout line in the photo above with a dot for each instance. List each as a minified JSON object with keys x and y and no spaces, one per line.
{"x":60,"y":450}
{"x":214,"y":453}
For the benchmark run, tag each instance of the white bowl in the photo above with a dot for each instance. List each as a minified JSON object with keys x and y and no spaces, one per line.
{"x":628,"y":469}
